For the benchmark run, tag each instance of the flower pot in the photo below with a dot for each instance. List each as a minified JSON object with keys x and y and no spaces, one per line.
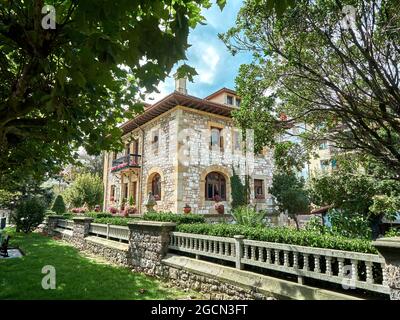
{"x":219,"y":208}
{"x":187,"y":209}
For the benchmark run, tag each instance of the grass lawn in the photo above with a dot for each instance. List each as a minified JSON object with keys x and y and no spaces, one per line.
{"x":77,"y":276}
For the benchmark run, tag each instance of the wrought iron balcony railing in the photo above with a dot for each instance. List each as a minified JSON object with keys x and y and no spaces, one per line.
{"x":127,"y":161}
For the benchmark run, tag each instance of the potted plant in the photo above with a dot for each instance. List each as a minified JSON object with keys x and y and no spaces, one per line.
{"x":219,"y":207}
{"x":131,"y":209}
{"x":96,"y":208}
{"x":187,"y":209}
{"x":113,"y":210}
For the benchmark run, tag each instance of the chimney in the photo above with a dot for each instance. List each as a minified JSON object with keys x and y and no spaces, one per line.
{"x":180,"y":84}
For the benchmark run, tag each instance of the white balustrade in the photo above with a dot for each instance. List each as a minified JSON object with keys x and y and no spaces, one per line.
{"x":336,"y":266}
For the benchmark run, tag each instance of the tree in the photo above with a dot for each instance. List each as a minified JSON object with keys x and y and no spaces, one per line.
{"x":29,"y":214}
{"x":340,"y":78}
{"x":67,"y":87}
{"x":358,"y":186}
{"x":86,"y":189}
{"x":240,"y":192}
{"x":290,"y":194}
{"x":59,"y":205}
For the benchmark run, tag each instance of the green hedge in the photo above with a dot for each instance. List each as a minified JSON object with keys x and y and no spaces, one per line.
{"x":163,"y":217}
{"x":281,"y":235}
{"x":119,"y":221}
{"x":172,"y":217}
{"x":96,"y":215}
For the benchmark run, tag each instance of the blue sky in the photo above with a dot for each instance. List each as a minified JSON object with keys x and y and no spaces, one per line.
{"x":216,"y":67}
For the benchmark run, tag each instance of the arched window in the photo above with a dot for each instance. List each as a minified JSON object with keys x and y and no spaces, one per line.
{"x":156,"y":186}
{"x":215,"y":186}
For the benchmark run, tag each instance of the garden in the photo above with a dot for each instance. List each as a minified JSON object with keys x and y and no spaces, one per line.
{"x":78,"y":276}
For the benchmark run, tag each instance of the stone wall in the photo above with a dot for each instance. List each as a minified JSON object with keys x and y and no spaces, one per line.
{"x":148,"y":244}
{"x":389,"y":249}
{"x":216,"y":289}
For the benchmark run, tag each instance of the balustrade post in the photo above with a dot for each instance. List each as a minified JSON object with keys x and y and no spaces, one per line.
{"x":389,"y":249}
{"x":108,"y":230}
{"x":239,"y":250}
{"x":52,"y":222}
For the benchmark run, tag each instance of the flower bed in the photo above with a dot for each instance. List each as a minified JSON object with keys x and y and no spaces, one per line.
{"x":281,"y":235}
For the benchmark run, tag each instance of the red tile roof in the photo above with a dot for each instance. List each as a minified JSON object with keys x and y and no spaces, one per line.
{"x":172,"y":100}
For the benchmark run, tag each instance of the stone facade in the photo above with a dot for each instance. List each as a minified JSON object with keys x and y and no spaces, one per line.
{"x":176,"y":146}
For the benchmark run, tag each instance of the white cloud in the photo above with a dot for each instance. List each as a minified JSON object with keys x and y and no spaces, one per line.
{"x":209,"y":62}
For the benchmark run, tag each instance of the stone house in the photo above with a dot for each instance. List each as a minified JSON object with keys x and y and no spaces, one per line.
{"x":184,"y":150}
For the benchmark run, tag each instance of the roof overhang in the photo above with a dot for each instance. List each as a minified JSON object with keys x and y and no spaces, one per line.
{"x":171,"y":101}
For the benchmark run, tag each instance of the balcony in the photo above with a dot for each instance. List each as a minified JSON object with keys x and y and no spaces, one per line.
{"x":126,"y":162}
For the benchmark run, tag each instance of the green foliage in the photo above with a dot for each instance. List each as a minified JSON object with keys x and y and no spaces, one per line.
{"x":177,"y":218}
{"x":59,"y":205}
{"x":314,"y":224}
{"x":86,"y":189}
{"x":349,"y":224}
{"x":98,"y":215}
{"x":248,"y":216}
{"x":392,"y":232}
{"x":290,"y":194}
{"x":281,"y":235}
{"x":319,"y":73}
{"x":29,"y":214}
{"x":289,"y":156}
{"x":239,"y":191}
{"x":357,"y":186}
{"x":388,"y":205}
{"x":6,"y":198}
{"x":156,"y":216}
{"x":118,"y":221}
{"x":70,"y":87}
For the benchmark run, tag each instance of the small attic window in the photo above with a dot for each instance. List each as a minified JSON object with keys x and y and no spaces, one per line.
{"x":229,"y":100}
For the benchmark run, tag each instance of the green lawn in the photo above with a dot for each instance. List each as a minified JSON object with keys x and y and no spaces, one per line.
{"x":77,"y":276}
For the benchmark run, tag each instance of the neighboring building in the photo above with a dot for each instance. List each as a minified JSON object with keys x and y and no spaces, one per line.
{"x":324,"y":159}
{"x":183,"y":149}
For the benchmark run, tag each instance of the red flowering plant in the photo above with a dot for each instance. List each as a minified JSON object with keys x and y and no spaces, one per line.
{"x":113,"y":210}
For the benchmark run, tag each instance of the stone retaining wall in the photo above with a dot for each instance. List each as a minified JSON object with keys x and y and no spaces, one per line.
{"x":216,"y":289}
{"x":147,"y":252}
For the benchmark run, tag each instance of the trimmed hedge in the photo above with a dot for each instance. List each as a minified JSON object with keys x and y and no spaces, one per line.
{"x":172,"y":217}
{"x":96,"y":215}
{"x":281,"y":235}
{"x":163,"y":217}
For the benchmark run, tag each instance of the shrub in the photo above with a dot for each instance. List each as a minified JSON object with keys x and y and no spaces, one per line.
{"x":96,"y":215}
{"x":239,"y":191}
{"x":59,"y":205}
{"x":248,"y":216}
{"x":350,"y":225}
{"x":119,"y":221}
{"x":392,"y":232}
{"x":29,"y":214}
{"x":177,"y":218}
{"x":86,"y":189}
{"x":281,"y":235}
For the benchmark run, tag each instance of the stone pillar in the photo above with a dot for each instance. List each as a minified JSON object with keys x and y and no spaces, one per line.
{"x":238,"y":251}
{"x":52,"y":222}
{"x":80,"y":230}
{"x":148,"y":245}
{"x":389,"y":249}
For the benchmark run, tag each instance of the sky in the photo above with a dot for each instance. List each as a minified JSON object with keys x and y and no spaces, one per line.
{"x":215,"y":66}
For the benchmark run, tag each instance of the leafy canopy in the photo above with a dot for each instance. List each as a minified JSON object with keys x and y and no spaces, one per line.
{"x":342,"y":82}
{"x":69,"y":87}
